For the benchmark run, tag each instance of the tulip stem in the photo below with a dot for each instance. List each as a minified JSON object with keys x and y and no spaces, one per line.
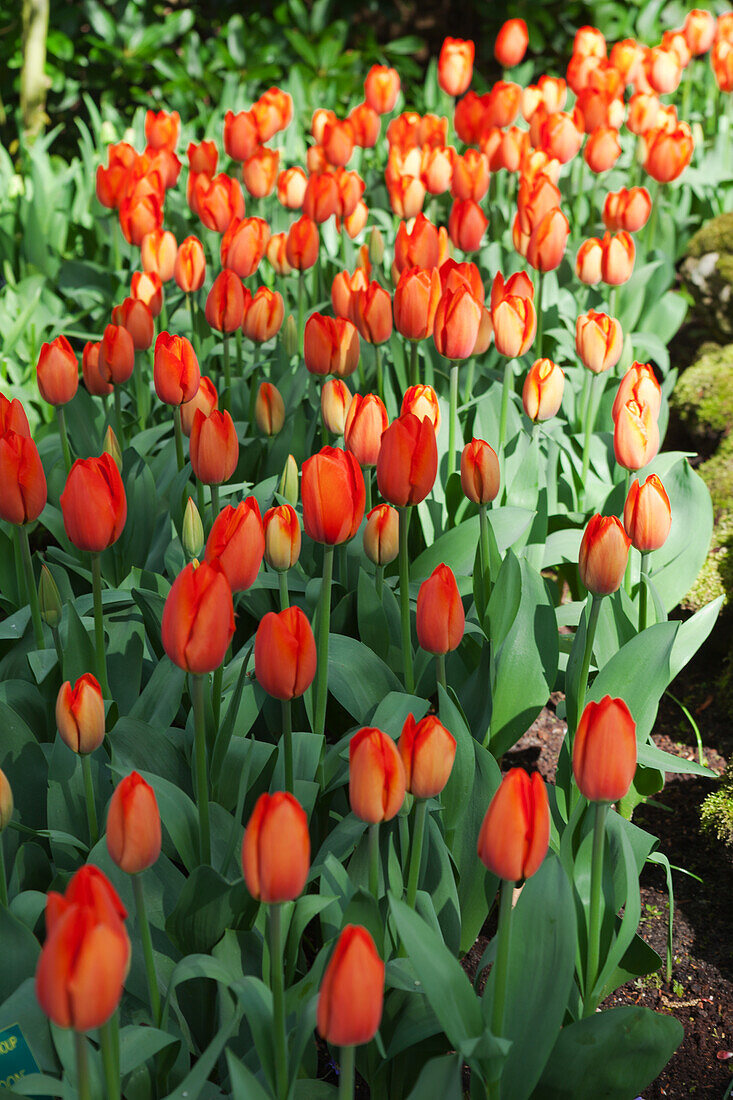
{"x":538,"y":307}
{"x":82,"y":1066}
{"x":288,"y":744}
{"x":346,"y":1073}
{"x":144,"y":926}
{"x":201,"y":500}
{"x":324,"y":624}
{"x":278,"y":1001}
{"x":109,"y":1062}
{"x":86,"y":769}
{"x":367,"y":472}
{"x":61,"y":417}
{"x":192,"y":311}
{"x":652,"y":223}
{"x":227,"y":400}
{"x":418,"y":834}
{"x":118,"y":417}
{"x":595,"y":610}
{"x":643,"y":592}
{"x":284,"y":595}
{"x":440,"y":670}
{"x":301,"y":309}
{"x":589,"y":417}
{"x":178,"y":436}
{"x":594,"y":917}
{"x":506,"y":386}
{"x":501,"y":966}
{"x":379,"y":581}
{"x":380,"y":378}
{"x":405,"y":514}
{"x":3,"y":876}
{"x":413,"y":362}
{"x":202,"y":786}
{"x":30,"y":583}
{"x":453,"y":418}
{"x":374,"y":860}
{"x":99,"y":625}
{"x":484,"y":543}
{"x":139,"y":390}
{"x":468,"y":387}
{"x":215,"y":505}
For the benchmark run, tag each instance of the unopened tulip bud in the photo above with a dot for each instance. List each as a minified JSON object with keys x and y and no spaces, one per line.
{"x":351,"y":996}
{"x":647,"y":514}
{"x":335,"y":402}
{"x":6,"y":801}
{"x":422,"y":401}
{"x":133,"y":825}
{"x":428,"y":751}
{"x":543,"y":389}
{"x":441,"y":619}
{"x":285,"y":653}
{"x":288,"y":486}
{"x":604,"y":554}
{"x":599,"y":341}
{"x":290,"y":336}
{"x":192,"y":536}
{"x":480,"y":475}
{"x":617,"y":259}
{"x":515,"y":833}
{"x":604,"y":750}
{"x":269,"y":409}
{"x":112,"y":447}
{"x":376,"y":246}
{"x":49,"y":598}
{"x":376,"y":776}
{"x":198,"y":618}
{"x":80,"y":714}
{"x":282,"y":537}
{"x":635,"y":435}
{"x":276,"y":849}
{"x":381,"y":534}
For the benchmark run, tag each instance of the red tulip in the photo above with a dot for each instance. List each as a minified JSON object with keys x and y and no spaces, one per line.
{"x":480,"y":475}
{"x":214,"y":447}
{"x":604,"y":554}
{"x":381,"y":534}
{"x":352,"y":990}
{"x":176,"y":372}
{"x":198,"y":618}
{"x":647,"y":514}
{"x":23,"y":492}
{"x":604,"y":750}
{"x":366,"y":420}
{"x":333,"y":492}
{"x":515,"y":833}
{"x":133,"y":825}
{"x":237,"y":542}
{"x":285,"y":653}
{"x":93,"y":503}
{"x":408,"y":460}
{"x":441,"y":619}
{"x":376,"y":776}
{"x":455,"y":65}
{"x":276,"y":849}
{"x":57,"y":372}
{"x":428,"y":751}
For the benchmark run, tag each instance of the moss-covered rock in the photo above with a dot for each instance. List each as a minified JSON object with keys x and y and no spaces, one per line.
{"x":716,"y":812}
{"x":703,"y":396}
{"x":716,"y":576}
{"x":707,"y":271}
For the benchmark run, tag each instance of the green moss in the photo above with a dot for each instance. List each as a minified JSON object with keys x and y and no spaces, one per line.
{"x":703,"y":396}
{"x":716,"y":812}
{"x":717,"y":473}
{"x":716,"y":576}
{"x":715,"y":236}
{"x":725,"y":267}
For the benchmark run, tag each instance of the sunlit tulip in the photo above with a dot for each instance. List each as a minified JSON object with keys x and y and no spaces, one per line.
{"x":282,"y":537}
{"x":515,"y":832}
{"x":214,"y":447}
{"x":237,"y":542}
{"x":647,"y":514}
{"x":381,"y":534}
{"x":480,"y":475}
{"x":604,"y":553}
{"x":333,"y":492}
{"x":635,"y":435}
{"x":366,"y":420}
{"x":441,"y":619}
{"x":511,"y":43}
{"x":599,"y":341}
{"x":408,"y":460}
{"x":455,"y":65}
{"x":57,"y":372}
{"x":604,"y":750}
{"x":543,"y":390}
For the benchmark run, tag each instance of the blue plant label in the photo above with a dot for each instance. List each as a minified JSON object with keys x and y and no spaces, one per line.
{"x":16,"y":1060}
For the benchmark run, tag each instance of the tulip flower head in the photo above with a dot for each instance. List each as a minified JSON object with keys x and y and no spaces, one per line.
{"x":515,"y":833}
{"x":604,"y":554}
{"x":381,"y":534}
{"x":647,"y":514}
{"x":57,"y":372}
{"x":376,"y":776}
{"x":282,"y":537}
{"x":285,"y":653}
{"x":276,"y":849}
{"x":80,"y":714}
{"x":333,"y":492}
{"x":198,"y":618}
{"x":408,"y":460}
{"x":441,"y":619}
{"x":133,"y":825}
{"x":543,"y":390}
{"x":428,"y":751}
{"x":352,"y":990}
{"x":237,"y":543}
{"x":93,"y":503}
{"x":23,"y":491}
{"x":604,"y":750}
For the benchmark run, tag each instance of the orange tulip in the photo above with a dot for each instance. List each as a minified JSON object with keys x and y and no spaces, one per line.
{"x":604,"y":750}
{"x":366,"y":125}
{"x":456,"y":325}
{"x":116,"y":355}
{"x":470,"y":179}
{"x":214,"y":447}
{"x":337,"y":140}
{"x":146,"y":286}
{"x":537,"y":196}
{"x":406,"y":195}
{"x":93,"y":503}
{"x":602,"y":149}
{"x":644,"y":110}
{"x":515,"y":833}
{"x":376,"y":776}
{"x":133,"y":825}
{"x":330,"y":345}
{"x":617,"y":257}
{"x":272,"y":112}
{"x":640,"y":384}
{"x":699,"y":31}
{"x":162,"y":129}
{"x":436,"y":169}
{"x":515,"y":324}
{"x":372,"y":313}
{"x":455,"y":65}
{"x":333,"y":492}
{"x":218,"y":201}
{"x":381,"y":88}
{"x":647,"y":514}
{"x":418,"y":247}
{"x":604,"y":553}
{"x":381,"y":534}
{"x":543,"y":389}
{"x":467,"y":224}
{"x":662,"y":69}
{"x":350,"y":187}
{"x":263,"y":314}
{"x":502,"y":105}
{"x":441,"y":619}
{"x":588,"y":261}
{"x":416,"y":301}
{"x":140,"y":215}
{"x":198,"y":618}
{"x":344,"y":289}
{"x":80,"y":714}
{"x":352,"y":990}
{"x":269,"y":409}
{"x":291,"y":187}
{"x":635,"y":435}
{"x":480,"y":476}
{"x":276,"y":849}
{"x":259,"y":171}
{"x":202,"y":157}
{"x":13,"y":417}
{"x":366,"y":420}
{"x":176,"y":373}
{"x":599,"y":341}
{"x":422,"y":401}
{"x":321,"y":198}
{"x":93,"y":380}
{"x":668,"y":152}
{"x":511,"y":43}
{"x":408,"y":461}
{"x":548,"y":240}
{"x":243,"y":245}
{"x":335,"y":401}
{"x":485,"y":333}
{"x":57,"y":372}
{"x":285,"y":653}
{"x":560,"y":137}
{"x":225,"y":302}
{"x":301,"y":246}
{"x":190,"y":267}
{"x":158,"y":253}
{"x":627,"y":209}
{"x":428,"y":751}
{"x":282,"y":537}
{"x":470,"y":117}
{"x":237,"y":543}
{"x":276,"y":253}
{"x":206,"y":399}
{"x":134,"y":315}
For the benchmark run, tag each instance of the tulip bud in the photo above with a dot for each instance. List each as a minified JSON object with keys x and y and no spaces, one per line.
{"x":511,"y":43}
{"x":515,"y":833}
{"x":588,"y":261}
{"x":547,"y":241}
{"x":57,"y":372}
{"x":352,"y":990}
{"x":276,"y":849}
{"x":480,"y":475}
{"x":189,"y":269}
{"x":288,"y":486}
{"x":638,"y":384}
{"x":93,"y":503}
{"x":13,"y":417}
{"x":6,"y":801}
{"x":543,"y":389}
{"x":647,"y":514}
{"x":366,"y":421}
{"x":604,"y":750}
{"x":515,"y":324}
{"x":599,"y":341}
{"x":112,"y":447}
{"x":80,"y":714}
{"x":133,"y":825}
{"x":176,"y":373}
{"x":214,"y":447}
{"x":617,"y":258}
{"x":23,"y":491}
{"x":428,"y":751}
{"x":333,"y":496}
{"x":457,"y":321}
{"x":373,"y":314}
{"x":49,"y":598}
{"x":335,"y":403}
{"x":441,"y":619}
{"x":282,"y":537}
{"x":408,"y":460}
{"x":422,"y":401}
{"x":604,"y":554}
{"x":198,"y":618}
{"x":290,"y":336}
{"x":330,"y":345}
{"x":302,"y":243}
{"x":285,"y":653}
{"x":135,"y":316}
{"x":381,"y":534}
{"x":635,"y":435}
{"x":237,"y":542}
{"x":455,"y":65}
{"x":269,"y":409}
{"x":116,"y":355}
{"x":376,"y":246}
{"x":225,"y":302}
{"x":376,"y":776}
{"x":192,"y":537}
{"x":205,"y":398}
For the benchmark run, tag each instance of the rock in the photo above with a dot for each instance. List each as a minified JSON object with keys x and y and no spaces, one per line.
{"x":707,"y":271}
{"x":703,"y":397}
{"x":716,"y":812}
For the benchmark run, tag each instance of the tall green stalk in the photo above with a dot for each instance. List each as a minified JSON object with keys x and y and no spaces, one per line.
{"x":596,"y":909}
{"x":418,"y":833}
{"x":3,"y":876}
{"x":86,"y":768}
{"x":501,"y":965}
{"x":405,"y":514}
{"x":643,"y":592}
{"x":82,"y":1067}
{"x":277,"y":983}
{"x":288,"y":744}
{"x":413,"y":363}
{"x":99,"y":641}
{"x":200,"y":765}
{"x":594,"y":612}
{"x":109,"y":1062}
{"x":144,"y":926}
{"x":374,"y":860}
{"x":64,"y":436}
{"x":453,"y":418}
{"x":346,"y":1073}
{"x":30,"y":584}
{"x":324,"y":626}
